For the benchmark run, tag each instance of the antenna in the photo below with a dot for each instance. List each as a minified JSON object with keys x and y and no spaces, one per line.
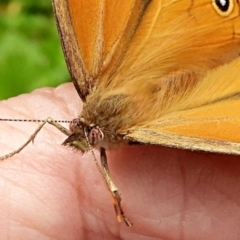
{"x":31,"y":120}
{"x":49,"y":120}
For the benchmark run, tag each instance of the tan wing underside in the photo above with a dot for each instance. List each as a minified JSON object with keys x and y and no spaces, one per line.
{"x":214,"y":126}
{"x":203,"y":129}
{"x":94,"y":36}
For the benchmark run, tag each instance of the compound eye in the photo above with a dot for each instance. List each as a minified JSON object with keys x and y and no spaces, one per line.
{"x":73,"y":125}
{"x":95,"y":136}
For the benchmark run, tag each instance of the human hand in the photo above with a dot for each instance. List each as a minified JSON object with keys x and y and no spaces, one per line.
{"x":51,"y":192}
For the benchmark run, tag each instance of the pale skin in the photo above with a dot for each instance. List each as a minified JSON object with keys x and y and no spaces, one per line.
{"x":51,"y":192}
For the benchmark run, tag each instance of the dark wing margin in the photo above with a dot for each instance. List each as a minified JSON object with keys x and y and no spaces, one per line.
{"x":70,"y":48}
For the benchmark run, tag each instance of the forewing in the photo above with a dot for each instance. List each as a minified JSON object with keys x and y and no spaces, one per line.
{"x":94,"y":35}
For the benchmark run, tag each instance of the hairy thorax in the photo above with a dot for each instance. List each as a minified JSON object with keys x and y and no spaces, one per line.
{"x":109,"y":113}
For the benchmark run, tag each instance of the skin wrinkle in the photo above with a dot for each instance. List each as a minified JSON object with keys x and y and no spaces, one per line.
{"x":184,"y":200}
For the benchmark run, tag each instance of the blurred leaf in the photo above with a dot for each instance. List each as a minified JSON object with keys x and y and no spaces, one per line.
{"x":30,"y":53}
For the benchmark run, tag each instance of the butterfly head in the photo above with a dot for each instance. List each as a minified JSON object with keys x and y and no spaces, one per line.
{"x":83,"y":135}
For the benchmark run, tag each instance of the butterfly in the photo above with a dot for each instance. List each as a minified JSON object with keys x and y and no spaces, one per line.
{"x":160,"y":72}
{"x":151,"y":71}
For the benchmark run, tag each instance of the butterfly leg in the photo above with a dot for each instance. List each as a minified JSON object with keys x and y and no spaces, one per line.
{"x":58,"y":126}
{"x":32,"y":137}
{"x":116,"y":198}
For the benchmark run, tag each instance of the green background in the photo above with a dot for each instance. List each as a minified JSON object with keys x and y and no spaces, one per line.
{"x":30,"y":52}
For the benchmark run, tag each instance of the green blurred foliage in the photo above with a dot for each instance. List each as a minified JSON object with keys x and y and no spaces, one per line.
{"x":30,"y":52}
